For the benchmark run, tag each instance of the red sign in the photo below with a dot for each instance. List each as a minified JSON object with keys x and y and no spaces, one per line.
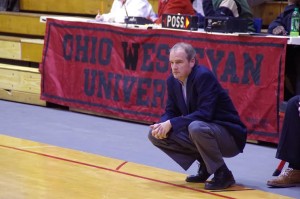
{"x":122,"y":71}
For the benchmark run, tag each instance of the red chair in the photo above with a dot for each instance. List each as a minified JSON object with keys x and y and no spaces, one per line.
{"x":279,"y":168}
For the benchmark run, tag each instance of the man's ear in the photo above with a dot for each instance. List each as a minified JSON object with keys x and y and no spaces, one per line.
{"x":193,"y":61}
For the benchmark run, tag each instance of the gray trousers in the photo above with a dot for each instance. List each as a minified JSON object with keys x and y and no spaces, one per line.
{"x":206,"y":142}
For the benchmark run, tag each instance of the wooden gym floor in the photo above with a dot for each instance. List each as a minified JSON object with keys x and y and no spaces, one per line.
{"x":35,"y":170}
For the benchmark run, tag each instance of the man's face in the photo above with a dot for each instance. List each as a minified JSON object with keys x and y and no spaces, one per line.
{"x":181,"y":67}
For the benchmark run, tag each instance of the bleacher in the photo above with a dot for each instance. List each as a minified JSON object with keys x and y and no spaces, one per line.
{"x":22,"y":39}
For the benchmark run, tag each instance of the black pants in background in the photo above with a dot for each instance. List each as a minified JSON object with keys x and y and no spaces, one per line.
{"x":289,"y":143}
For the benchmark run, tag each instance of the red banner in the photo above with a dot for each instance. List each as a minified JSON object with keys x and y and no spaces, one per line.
{"x":121,"y":72}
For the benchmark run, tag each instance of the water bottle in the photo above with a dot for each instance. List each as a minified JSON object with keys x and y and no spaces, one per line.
{"x":295,"y":20}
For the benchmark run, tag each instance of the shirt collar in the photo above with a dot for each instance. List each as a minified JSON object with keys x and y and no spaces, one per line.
{"x":183,"y":83}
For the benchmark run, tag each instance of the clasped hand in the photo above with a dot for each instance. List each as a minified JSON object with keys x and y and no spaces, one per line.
{"x":160,"y":130}
{"x":279,"y":30}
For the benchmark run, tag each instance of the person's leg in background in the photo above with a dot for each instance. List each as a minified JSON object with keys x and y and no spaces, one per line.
{"x":297,"y":67}
{"x":289,"y":147}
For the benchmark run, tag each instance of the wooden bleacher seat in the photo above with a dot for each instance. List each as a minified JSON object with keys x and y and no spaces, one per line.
{"x":20,"y":84}
{"x":69,"y":7}
{"x":22,"y":24}
{"x":24,"y":49}
{"x":79,"y":7}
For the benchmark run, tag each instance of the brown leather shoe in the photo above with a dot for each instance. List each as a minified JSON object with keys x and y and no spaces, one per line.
{"x":289,"y":178}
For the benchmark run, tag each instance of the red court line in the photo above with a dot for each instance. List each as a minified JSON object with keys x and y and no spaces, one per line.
{"x":116,"y":171}
{"x":121,"y":165}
